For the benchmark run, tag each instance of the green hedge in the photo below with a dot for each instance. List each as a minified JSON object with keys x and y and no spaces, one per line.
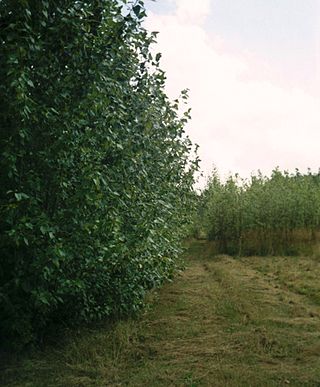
{"x":279,"y":214}
{"x":96,"y":173}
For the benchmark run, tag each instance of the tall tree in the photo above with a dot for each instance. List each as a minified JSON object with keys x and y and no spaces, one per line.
{"x":96,"y":172}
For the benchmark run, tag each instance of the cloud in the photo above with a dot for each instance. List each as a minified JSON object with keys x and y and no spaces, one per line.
{"x":243,"y":118}
{"x":192,"y":11}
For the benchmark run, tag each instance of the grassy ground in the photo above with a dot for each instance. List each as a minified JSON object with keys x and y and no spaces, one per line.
{"x":222,"y":322}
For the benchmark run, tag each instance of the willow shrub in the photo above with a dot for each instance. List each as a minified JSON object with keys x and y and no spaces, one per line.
{"x":96,"y":173}
{"x":279,"y":214}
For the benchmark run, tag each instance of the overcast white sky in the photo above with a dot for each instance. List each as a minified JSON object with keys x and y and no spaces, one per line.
{"x":253,"y":70}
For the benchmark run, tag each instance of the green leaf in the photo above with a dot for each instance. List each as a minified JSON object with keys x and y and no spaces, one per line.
{"x":21,"y":196}
{"x":30,"y":83}
{"x":137,"y":9}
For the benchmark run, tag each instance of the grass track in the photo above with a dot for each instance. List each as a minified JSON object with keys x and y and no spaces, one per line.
{"x":222,"y":322}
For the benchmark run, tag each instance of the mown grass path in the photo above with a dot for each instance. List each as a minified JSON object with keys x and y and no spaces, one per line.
{"x":222,"y":322}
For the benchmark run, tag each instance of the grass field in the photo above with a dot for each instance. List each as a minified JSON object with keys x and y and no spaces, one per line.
{"x":223,"y":322}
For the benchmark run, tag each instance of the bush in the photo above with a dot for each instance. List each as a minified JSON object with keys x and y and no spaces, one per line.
{"x":97,"y":181}
{"x":279,"y":214}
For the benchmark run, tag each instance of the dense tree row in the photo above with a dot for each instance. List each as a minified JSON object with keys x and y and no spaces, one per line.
{"x":96,"y":173}
{"x":265,"y":215}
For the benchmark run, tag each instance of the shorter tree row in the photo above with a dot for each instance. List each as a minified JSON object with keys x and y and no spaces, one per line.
{"x":279,"y":214}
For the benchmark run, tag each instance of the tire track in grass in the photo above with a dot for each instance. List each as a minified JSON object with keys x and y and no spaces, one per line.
{"x":222,"y":322}
{"x":228,"y":325}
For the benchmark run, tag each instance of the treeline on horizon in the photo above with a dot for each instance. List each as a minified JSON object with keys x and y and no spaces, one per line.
{"x":279,"y":214}
{"x":97,"y":175}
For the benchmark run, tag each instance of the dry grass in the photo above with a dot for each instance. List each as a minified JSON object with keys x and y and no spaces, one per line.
{"x":223,"y":322}
{"x":298,"y":242}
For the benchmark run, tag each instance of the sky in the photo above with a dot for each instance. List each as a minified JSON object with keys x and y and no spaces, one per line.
{"x":253,"y":70}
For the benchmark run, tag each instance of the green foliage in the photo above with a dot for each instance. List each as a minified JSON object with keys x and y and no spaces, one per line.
{"x":97,"y":174}
{"x":266,"y":215}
